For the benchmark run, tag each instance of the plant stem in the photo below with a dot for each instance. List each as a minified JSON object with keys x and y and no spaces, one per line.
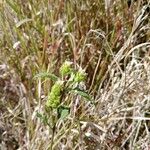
{"x":52,"y":139}
{"x":80,"y":135}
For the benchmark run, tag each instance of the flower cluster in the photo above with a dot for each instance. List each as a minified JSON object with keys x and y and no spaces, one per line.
{"x":66,"y":69}
{"x":76,"y":76}
{"x":80,"y":75}
{"x":55,"y":95}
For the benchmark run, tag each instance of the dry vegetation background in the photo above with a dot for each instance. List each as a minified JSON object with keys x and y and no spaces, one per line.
{"x":108,"y":38}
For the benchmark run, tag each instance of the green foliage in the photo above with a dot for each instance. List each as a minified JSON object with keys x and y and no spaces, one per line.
{"x":82,"y":93}
{"x":63,"y":112}
{"x":63,"y":88}
{"x":59,"y":92}
{"x":46,"y":75}
{"x":43,"y":118}
{"x":66,"y":69}
{"x":80,"y":75}
{"x":54,"y":97}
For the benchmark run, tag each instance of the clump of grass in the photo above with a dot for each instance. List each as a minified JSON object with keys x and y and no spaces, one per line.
{"x":110,"y":39}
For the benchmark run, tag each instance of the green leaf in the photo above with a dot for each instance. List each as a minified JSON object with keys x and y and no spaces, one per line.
{"x":43,"y":118}
{"x":82,"y":93}
{"x":46,"y":75}
{"x":63,"y":112}
{"x":39,"y":115}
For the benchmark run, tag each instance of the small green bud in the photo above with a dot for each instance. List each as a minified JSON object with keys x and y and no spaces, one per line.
{"x":66,"y":69}
{"x":80,"y":75}
{"x":55,"y":95}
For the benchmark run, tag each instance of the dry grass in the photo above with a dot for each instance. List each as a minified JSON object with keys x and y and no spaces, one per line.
{"x":109,"y":39}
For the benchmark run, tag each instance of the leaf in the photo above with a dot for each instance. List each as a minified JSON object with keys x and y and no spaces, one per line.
{"x":81,"y":93}
{"x":43,"y":118}
{"x":46,"y":75}
{"x":63,"y":112}
{"x":39,"y":115}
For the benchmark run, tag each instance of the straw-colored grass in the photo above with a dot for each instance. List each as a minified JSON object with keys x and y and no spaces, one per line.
{"x":107,"y":38}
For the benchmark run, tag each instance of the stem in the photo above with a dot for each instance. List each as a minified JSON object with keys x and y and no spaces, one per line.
{"x":52,"y":139}
{"x":80,"y":134}
{"x":52,"y":129}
